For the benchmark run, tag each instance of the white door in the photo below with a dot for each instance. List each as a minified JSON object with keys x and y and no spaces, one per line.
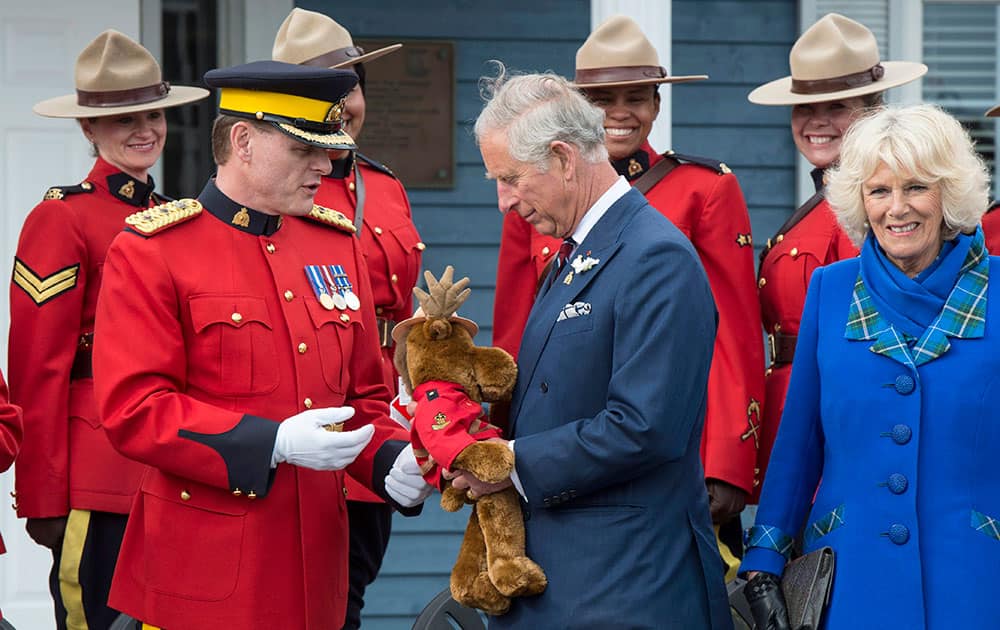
{"x":39,"y":42}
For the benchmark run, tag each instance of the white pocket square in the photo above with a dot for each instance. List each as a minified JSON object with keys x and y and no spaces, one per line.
{"x":577,"y":309}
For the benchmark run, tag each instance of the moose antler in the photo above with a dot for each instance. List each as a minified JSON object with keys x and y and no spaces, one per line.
{"x":443,"y":297}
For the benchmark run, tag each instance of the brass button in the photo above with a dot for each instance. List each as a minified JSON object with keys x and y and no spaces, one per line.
{"x":345,"y":491}
{"x":185,"y":495}
{"x":237,"y":318}
{"x":761,"y":283}
{"x":768,"y":371}
{"x":378,"y":230}
{"x":779,"y":238}
{"x":421,"y":246}
{"x":351,"y":186}
{"x":251,"y":495}
{"x":237,"y":493}
{"x":546,"y":250}
{"x":777,"y":328}
{"x":379,"y":310}
{"x":794,"y":252}
{"x":270,"y":248}
{"x":308,"y":403}
{"x":86,"y":185}
{"x":394,"y":278}
{"x":289,"y":296}
{"x":303,"y":348}
{"x":344,"y":317}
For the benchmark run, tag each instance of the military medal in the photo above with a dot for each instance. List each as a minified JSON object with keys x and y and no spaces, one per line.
{"x":344,"y":287}
{"x":338,"y":299}
{"x":319,"y":287}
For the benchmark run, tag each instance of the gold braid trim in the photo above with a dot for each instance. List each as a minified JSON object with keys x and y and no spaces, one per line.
{"x":331,"y":217}
{"x":157,"y":218}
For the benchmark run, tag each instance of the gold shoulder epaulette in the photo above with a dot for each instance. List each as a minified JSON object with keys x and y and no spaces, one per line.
{"x":331,"y":217}
{"x":60,"y":192}
{"x":152,"y":220}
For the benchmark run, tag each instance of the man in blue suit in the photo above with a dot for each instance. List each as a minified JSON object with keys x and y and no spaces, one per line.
{"x":607,"y":414}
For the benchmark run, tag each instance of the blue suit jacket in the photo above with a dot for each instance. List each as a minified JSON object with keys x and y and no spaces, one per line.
{"x":906,"y":462}
{"x":607,"y":416}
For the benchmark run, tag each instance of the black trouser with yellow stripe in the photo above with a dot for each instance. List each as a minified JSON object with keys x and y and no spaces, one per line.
{"x":80,"y":580}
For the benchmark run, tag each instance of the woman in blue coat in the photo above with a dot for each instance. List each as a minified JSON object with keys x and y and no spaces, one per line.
{"x":891,"y":429}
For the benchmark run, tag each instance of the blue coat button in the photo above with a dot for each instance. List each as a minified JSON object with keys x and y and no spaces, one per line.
{"x":899,"y":533}
{"x":904,"y":384}
{"x":898,"y":483}
{"x":901,"y":434}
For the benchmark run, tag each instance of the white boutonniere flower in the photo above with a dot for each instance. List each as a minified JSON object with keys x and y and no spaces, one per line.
{"x":581,"y":264}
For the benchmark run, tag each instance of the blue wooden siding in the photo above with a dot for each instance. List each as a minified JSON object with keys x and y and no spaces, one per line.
{"x":739,"y":44}
{"x":461,"y":226}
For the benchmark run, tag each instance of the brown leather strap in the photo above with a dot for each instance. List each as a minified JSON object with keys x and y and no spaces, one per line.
{"x":385,"y":327}
{"x":836,"y":84}
{"x":116,"y":98}
{"x":653,"y":176}
{"x":359,"y":196}
{"x":781,"y":347}
{"x":618,"y":73}
{"x":335,"y":57}
{"x":800,"y":213}
{"x":83,"y":365}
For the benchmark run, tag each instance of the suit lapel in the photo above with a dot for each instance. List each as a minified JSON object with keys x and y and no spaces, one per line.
{"x":602,"y":243}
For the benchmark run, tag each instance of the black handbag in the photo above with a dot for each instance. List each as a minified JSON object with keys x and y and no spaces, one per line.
{"x":806,"y":585}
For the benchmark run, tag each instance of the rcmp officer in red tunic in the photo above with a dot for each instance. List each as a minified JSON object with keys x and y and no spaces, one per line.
{"x":254,"y":378}
{"x":836,"y":76}
{"x":618,"y":69}
{"x":71,"y":485}
{"x":374,"y":200}
{"x":991,"y":220}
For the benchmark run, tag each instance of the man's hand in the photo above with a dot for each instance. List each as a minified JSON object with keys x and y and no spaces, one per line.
{"x":47,"y":532}
{"x":767,"y":603}
{"x":464,"y":480}
{"x":724,"y":500}
{"x":404,"y":484}
{"x":303,"y":440}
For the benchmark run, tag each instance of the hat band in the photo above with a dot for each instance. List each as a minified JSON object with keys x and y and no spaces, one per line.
{"x":117,"y":98}
{"x":836,"y":84}
{"x":335,"y":57}
{"x":619,"y":73}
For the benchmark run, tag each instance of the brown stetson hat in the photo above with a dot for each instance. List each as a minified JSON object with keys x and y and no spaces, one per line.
{"x":836,"y":58}
{"x":993,"y":111}
{"x":308,"y":38}
{"x":115,"y":75}
{"x":617,"y":54}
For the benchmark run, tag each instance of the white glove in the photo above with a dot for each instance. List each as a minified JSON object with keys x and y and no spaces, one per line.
{"x":404,"y":484}
{"x":303,"y":441}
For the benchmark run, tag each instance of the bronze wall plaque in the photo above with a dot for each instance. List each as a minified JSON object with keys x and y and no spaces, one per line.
{"x":410,"y":114}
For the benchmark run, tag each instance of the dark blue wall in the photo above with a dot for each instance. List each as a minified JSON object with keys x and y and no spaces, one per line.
{"x":738,"y":43}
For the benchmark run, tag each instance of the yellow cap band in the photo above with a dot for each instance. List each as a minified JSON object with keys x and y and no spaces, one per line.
{"x":275,"y":103}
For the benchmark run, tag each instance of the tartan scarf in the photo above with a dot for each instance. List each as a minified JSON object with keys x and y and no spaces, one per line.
{"x":912,"y":318}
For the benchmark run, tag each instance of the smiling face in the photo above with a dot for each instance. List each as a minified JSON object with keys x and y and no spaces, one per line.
{"x":818,"y":128}
{"x":284,"y":173}
{"x":132,"y":142}
{"x":906,"y":218}
{"x":629,"y":113}
{"x":541,"y":199}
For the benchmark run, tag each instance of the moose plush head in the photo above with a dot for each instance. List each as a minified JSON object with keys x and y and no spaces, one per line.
{"x":449,"y":377}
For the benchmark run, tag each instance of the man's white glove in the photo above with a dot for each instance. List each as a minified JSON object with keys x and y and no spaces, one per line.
{"x":404,"y":484}
{"x":303,"y":440}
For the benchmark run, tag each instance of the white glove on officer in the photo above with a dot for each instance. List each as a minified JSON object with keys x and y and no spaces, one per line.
{"x":404,"y":483}
{"x":303,"y":441}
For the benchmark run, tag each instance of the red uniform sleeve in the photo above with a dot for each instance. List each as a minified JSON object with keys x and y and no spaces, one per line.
{"x":736,"y":378}
{"x":516,"y":283}
{"x":46,"y":304}
{"x":11,"y":428}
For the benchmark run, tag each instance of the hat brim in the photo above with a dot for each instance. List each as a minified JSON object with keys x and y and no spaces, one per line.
{"x":337,"y":140}
{"x":993,"y":111}
{"x":779,"y":91}
{"x":372,"y":56}
{"x":67,"y":107}
{"x":399,"y":330}
{"x":687,"y":78}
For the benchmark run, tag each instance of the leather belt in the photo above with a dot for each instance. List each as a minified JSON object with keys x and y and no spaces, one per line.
{"x":83,"y":364}
{"x":782,"y":347}
{"x":385,"y":327}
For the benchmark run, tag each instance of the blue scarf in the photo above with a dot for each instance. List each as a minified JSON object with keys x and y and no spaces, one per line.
{"x":912,"y":304}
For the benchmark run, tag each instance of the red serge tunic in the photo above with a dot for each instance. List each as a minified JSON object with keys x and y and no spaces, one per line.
{"x":215,"y":334}
{"x":391,"y":246}
{"x":11,"y":430}
{"x":703,"y":199}
{"x":991,"y":228}
{"x":814,"y":241}
{"x":66,"y":460}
